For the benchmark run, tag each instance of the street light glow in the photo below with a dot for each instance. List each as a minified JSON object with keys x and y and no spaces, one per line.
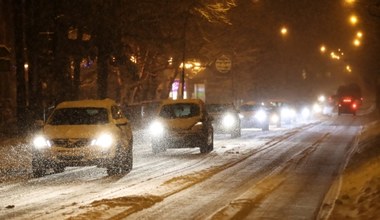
{"x":322,"y":49}
{"x":350,"y":2}
{"x":357,"y":42}
{"x":354,"y":19}
{"x":284,"y":31}
{"x":348,"y":68}
{"x":359,"y":34}
{"x":334,"y":56}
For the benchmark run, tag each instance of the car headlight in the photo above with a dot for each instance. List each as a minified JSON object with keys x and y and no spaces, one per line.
{"x":228,"y":120}
{"x":274,"y":118}
{"x":197,"y":126}
{"x":285,"y":113}
{"x":261,"y":115}
{"x":40,"y":142}
{"x":156,"y":128}
{"x":305,"y":112}
{"x":317,"y":108}
{"x":288,"y":113}
{"x":104,"y":141}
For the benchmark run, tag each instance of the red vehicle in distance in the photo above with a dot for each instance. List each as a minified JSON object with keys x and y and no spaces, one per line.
{"x":348,"y":105}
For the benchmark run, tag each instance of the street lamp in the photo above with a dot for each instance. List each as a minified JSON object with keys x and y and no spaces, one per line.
{"x":356,"y":42}
{"x":322,"y":49}
{"x":359,"y":34}
{"x":353,"y":19}
{"x":350,"y":2}
{"x":284,"y":31}
{"x":348,"y":68}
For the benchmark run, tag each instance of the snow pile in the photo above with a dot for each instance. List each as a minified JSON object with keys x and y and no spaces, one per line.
{"x":359,"y":197}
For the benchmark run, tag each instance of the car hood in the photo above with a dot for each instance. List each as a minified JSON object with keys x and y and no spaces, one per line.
{"x":77,"y":131}
{"x":181,"y":123}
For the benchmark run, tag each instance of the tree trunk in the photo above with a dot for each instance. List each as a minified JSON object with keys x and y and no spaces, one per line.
{"x":102,"y":75}
{"x":18,"y":11}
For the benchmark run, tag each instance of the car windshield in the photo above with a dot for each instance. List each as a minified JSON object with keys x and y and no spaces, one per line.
{"x":181,"y":110}
{"x":247,"y":108}
{"x":79,"y":116}
{"x":219,"y":107}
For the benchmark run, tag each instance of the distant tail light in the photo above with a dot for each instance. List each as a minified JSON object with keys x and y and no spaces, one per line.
{"x":354,"y":106}
{"x":347,"y":100}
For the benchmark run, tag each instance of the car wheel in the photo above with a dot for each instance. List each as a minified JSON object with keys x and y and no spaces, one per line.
{"x":208,"y":144}
{"x":278,"y":124}
{"x":236,"y":133}
{"x":122,"y":163}
{"x":58,"y":168}
{"x":38,"y":168}
{"x":265,"y":127}
{"x":157,"y":148}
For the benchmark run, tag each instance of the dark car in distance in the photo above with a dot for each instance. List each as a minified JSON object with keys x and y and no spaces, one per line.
{"x":255,"y":115}
{"x":225,"y":119}
{"x":348,"y":105}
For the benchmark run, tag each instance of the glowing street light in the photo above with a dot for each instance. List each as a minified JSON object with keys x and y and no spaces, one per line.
{"x":284,"y":31}
{"x":359,"y":34}
{"x":348,"y":68}
{"x":334,"y":56}
{"x":356,"y":42}
{"x":354,"y":19}
{"x":350,"y":2}
{"x":322,"y":49}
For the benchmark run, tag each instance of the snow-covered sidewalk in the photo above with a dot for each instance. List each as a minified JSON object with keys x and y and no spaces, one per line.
{"x":359,"y":196}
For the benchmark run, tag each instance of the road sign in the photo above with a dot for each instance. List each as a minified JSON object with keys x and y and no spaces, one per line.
{"x":223,"y":64}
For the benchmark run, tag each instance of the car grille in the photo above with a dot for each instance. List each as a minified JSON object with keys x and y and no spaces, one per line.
{"x":70,"y":157}
{"x":71,"y":143}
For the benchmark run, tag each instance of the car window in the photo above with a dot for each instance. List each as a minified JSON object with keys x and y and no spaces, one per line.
{"x":79,"y":116}
{"x":182,"y":110}
{"x":250,"y":107}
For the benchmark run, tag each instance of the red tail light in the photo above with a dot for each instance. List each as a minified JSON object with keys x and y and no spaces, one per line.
{"x":354,"y":106}
{"x":346,"y":100}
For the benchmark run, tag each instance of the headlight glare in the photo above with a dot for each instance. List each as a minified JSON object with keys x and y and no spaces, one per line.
{"x":40,"y":142}
{"x":275,"y":118}
{"x":228,"y":120}
{"x":305,"y":112}
{"x":156,"y":128}
{"x":261,"y":115}
{"x":104,"y":140}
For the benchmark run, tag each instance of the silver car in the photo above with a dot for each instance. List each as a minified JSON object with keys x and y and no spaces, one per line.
{"x":182,"y":124}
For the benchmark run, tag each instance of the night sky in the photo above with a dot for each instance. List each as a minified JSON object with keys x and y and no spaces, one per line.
{"x":294,"y":61}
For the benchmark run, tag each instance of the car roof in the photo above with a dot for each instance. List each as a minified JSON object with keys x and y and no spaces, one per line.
{"x":99,"y":103}
{"x":171,"y":101}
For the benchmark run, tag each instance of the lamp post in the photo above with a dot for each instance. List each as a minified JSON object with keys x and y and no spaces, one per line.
{"x":184,"y":57}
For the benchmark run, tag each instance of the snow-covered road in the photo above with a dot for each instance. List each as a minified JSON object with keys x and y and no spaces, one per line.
{"x":280,"y":174}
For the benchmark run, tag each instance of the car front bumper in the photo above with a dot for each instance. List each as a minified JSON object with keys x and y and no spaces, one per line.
{"x":180,"y":139}
{"x":83,"y":156}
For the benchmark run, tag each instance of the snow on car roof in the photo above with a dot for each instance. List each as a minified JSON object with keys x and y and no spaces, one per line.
{"x":87,"y":103}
